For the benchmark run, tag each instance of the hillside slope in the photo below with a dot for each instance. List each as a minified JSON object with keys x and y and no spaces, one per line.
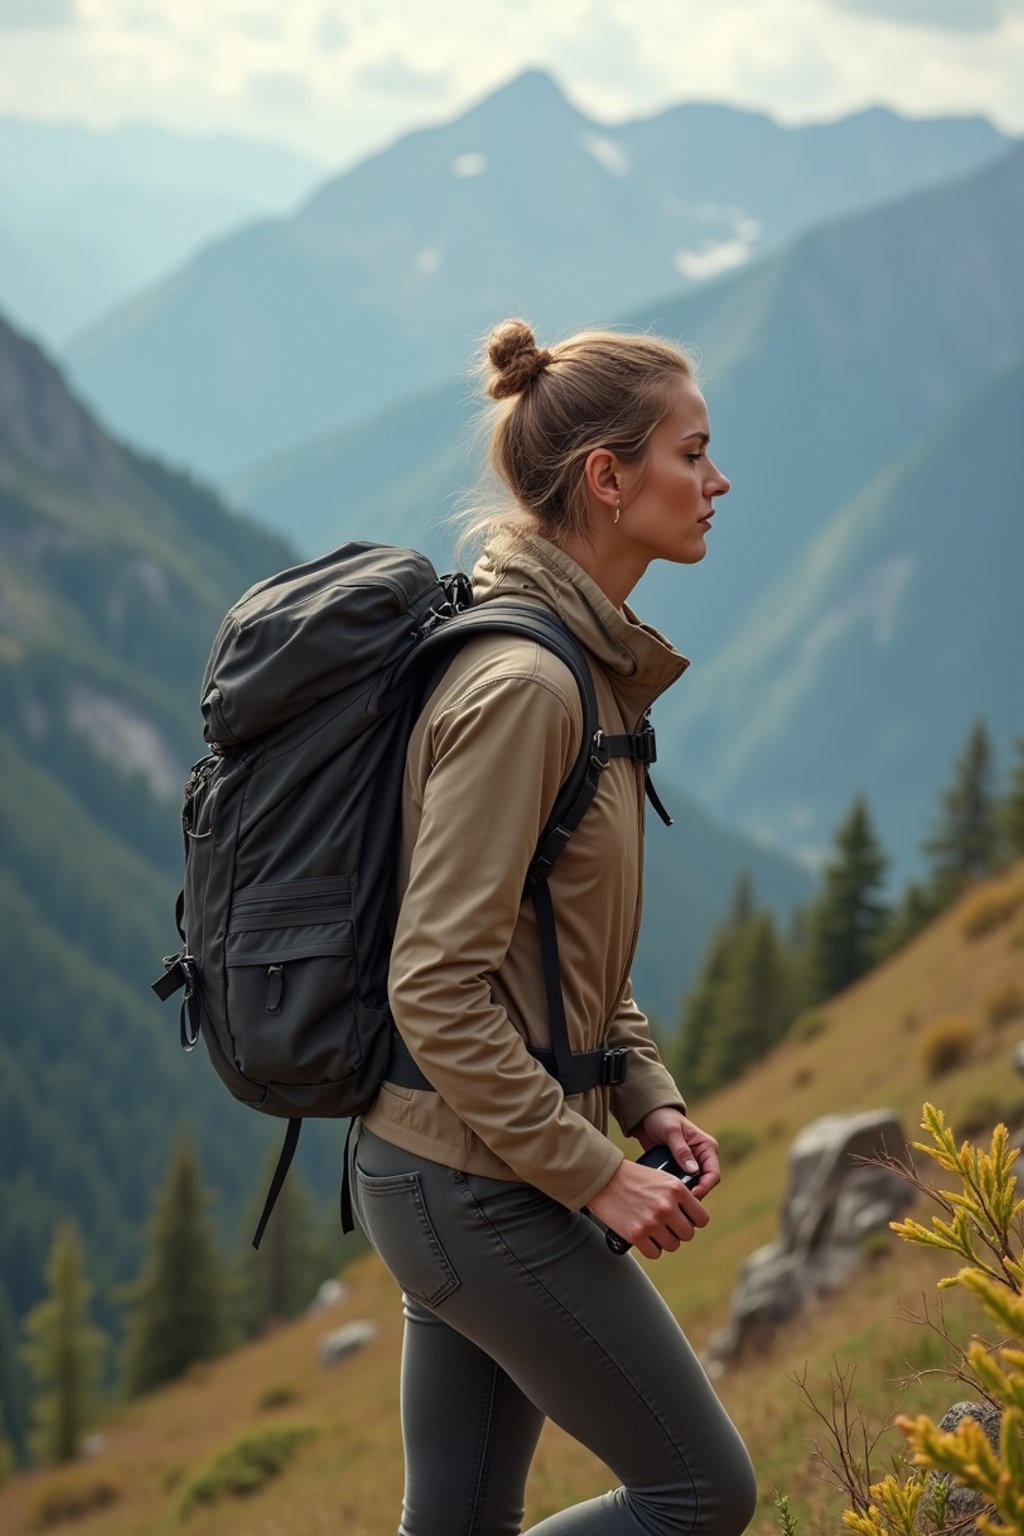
{"x":113,"y":575}
{"x":867,"y":1055}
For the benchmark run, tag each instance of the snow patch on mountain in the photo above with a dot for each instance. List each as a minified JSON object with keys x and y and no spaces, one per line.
{"x":468,"y":165}
{"x":607,"y":152}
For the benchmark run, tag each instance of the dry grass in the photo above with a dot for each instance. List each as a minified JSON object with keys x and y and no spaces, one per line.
{"x":992,"y":904}
{"x":349,"y":1479}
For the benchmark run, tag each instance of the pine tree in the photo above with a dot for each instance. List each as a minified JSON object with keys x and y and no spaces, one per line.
{"x":915,"y":911}
{"x":63,"y":1354}
{"x":755,"y":1004}
{"x":178,"y":1304}
{"x":700,"y":1016}
{"x":743,"y":1000}
{"x":1011,"y":816}
{"x":965,"y":842}
{"x":279,"y":1280}
{"x":741,"y":906}
{"x":848,"y":920}
{"x":6,"y":1452}
{"x":13,"y":1386}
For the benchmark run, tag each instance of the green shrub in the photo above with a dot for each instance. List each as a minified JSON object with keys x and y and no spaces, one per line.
{"x":946,"y":1044}
{"x":278,"y":1394}
{"x":808,"y":1024}
{"x":242,"y":1467}
{"x":1003,"y":1002}
{"x":735,"y":1142}
{"x":63,"y":1499}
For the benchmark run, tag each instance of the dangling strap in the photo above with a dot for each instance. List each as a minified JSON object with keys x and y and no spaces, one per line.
{"x":284,"y":1162}
{"x":642,"y":748}
{"x":655,"y":799}
{"x":347,"y":1220}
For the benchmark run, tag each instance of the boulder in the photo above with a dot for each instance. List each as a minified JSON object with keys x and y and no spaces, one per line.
{"x":964,"y":1503}
{"x":831,"y":1205}
{"x":342,"y":1342}
{"x":330,"y":1293}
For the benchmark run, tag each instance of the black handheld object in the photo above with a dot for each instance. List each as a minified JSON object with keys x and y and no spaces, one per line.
{"x":657,"y":1157}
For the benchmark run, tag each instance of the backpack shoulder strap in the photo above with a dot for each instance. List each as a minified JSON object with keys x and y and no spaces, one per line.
{"x":529,"y":620}
{"x":576,"y":1071}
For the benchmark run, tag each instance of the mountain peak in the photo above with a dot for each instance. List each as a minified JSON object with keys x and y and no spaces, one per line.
{"x":42,"y":422}
{"x":534,"y":93}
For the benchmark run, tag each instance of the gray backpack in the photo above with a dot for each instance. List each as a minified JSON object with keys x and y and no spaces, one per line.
{"x":286,"y":916}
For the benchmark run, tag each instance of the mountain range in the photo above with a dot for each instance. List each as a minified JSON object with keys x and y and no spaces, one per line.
{"x":825,"y":366}
{"x":89,"y":216}
{"x":381,"y":283}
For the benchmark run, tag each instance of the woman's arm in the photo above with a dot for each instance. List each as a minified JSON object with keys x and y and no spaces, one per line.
{"x":649,"y":1084}
{"x":498,"y":756}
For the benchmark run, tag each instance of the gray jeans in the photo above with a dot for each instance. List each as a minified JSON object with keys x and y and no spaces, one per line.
{"x":516,"y":1311}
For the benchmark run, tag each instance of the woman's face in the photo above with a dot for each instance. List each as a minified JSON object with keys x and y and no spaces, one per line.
{"x":667,"y":501}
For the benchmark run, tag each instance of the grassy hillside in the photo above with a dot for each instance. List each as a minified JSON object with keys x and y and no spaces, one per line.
{"x":349,"y":1476}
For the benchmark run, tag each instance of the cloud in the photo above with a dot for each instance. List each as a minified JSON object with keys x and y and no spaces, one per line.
{"x":28,"y":15}
{"x":937,"y":15}
{"x":394,"y":74}
{"x":277,"y":90}
{"x":330,"y":32}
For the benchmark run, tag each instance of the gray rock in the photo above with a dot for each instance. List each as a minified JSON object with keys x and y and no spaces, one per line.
{"x":963,"y":1502}
{"x":831,"y":1205}
{"x":347,"y":1340}
{"x":330,"y":1293}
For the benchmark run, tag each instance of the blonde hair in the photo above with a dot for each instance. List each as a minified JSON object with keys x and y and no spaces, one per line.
{"x":554,"y":406}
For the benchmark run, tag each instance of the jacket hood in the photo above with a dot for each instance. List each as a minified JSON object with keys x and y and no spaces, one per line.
{"x":640,"y":661}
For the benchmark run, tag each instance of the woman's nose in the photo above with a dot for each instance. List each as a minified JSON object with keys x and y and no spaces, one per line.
{"x":720,"y":482}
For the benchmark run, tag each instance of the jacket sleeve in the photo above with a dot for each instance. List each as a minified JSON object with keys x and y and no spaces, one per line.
{"x":649,"y":1084}
{"x":497,"y":758}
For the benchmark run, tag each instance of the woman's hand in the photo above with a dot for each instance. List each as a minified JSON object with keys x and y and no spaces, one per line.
{"x":693,"y":1149}
{"x":649,"y":1208}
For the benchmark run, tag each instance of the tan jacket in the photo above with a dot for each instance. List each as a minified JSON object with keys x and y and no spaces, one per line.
{"x":496,"y":739}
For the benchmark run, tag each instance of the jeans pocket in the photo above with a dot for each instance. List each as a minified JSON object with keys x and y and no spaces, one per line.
{"x":395,"y":1216}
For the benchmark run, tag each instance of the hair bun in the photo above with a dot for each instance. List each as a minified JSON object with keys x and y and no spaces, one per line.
{"x":516,"y":359}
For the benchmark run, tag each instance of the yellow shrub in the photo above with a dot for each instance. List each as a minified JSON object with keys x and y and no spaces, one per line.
{"x":71,"y":1497}
{"x":1003,"y":1002}
{"x":990,"y":906}
{"x":945,"y":1045}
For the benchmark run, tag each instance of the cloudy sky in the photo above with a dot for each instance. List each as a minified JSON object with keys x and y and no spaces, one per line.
{"x":340,"y":77}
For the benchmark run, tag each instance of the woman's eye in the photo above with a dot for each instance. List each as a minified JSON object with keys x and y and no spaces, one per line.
{"x":695,"y":458}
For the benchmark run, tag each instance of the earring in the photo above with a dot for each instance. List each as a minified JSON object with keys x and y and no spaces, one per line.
{"x":618,"y":511}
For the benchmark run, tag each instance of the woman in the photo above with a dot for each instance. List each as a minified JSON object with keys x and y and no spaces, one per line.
{"x":474,"y":1194}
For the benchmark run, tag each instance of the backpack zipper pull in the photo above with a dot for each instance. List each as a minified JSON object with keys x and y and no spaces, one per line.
{"x":275,"y":988}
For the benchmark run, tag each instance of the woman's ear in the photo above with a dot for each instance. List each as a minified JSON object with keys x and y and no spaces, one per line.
{"x":601,"y":476}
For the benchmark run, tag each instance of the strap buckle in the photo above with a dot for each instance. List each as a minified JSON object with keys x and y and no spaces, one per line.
{"x":600,"y":755}
{"x":180,"y":970}
{"x":613,"y":1067}
{"x":645,"y":746}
